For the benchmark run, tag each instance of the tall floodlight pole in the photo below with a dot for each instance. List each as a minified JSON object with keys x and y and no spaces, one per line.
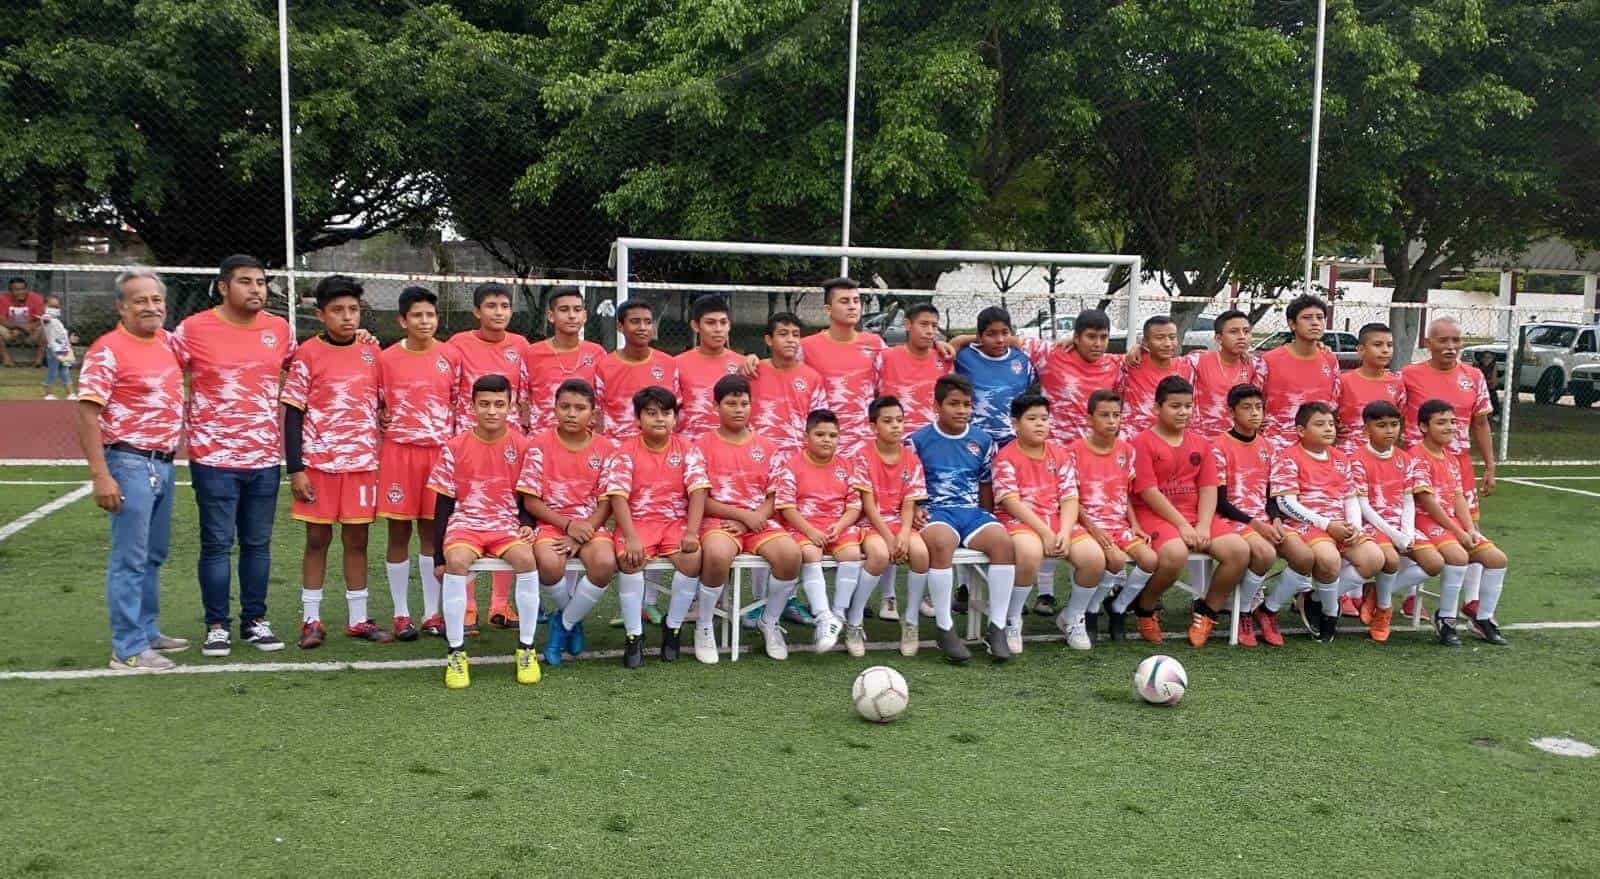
{"x":1316,"y":136}
{"x":849,"y":137}
{"x":288,"y":157}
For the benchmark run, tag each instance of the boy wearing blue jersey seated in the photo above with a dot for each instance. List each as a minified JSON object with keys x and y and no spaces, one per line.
{"x":957,"y":459}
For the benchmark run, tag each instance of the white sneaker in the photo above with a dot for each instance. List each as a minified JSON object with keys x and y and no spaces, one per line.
{"x":910,"y":639}
{"x":777,"y":645}
{"x":705,"y":645}
{"x":1077,"y":634}
{"x":148,"y":661}
{"x":217,"y":643}
{"x":1014,"y":639}
{"x":855,"y":641}
{"x":927,"y":608}
{"x":888,"y":610}
{"x":49,"y":396}
{"x":72,"y":396}
{"x":828,"y":629}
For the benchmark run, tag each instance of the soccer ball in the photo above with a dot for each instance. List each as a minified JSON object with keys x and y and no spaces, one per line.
{"x":880,"y":694}
{"x":1160,"y":680}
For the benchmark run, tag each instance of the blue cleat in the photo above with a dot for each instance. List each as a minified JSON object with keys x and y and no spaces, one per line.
{"x":752,"y":620}
{"x":796,"y":613}
{"x":554,"y":642}
{"x":575,"y":639}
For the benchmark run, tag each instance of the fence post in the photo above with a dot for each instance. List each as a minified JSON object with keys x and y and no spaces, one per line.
{"x":1591,"y":303}
{"x":1134,"y":272}
{"x":1513,"y":322}
{"x":620,"y":255}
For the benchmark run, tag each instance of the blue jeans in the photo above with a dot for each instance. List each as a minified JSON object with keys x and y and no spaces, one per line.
{"x":242,"y":502}
{"x":140,"y":534}
{"x":56,"y":372}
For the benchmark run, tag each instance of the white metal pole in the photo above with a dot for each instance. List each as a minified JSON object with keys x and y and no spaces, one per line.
{"x":288,"y":158}
{"x":620,"y":255}
{"x":1316,"y":136}
{"x":849,"y":137}
{"x":1509,"y":391}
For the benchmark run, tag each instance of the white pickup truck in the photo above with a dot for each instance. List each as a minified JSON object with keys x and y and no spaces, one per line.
{"x":1551,"y":355}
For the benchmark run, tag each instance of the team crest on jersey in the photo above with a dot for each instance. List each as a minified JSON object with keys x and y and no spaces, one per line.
{"x":1122,"y":460}
{"x":972,"y":448}
{"x":510,"y":454}
{"x":396,"y":493}
{"x":442,"y":365}
{"x":1194,"y":459}
{"x":657,"y":373}
{"x":1016,"y":367}
{"x":1392,"y":390}
{"x":510,"y":355}
{"x":366,"y":356}
{"x":799,"y":385}
{"x":594,"y":462}
{"x":732,"y":367}
{"x":839,"y":474}
{"x":1464,"y":383}
{"x":1050,"y":465}
{"x":757,"y":455}
{"x":269,"y":339}
{"x":905,"y":477}
{"x":586,"y":360}
{"x":674,"y":460}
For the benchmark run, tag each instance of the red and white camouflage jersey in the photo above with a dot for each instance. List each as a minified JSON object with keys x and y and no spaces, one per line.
{"x":616,"y":381}
{"x":1104,"y":483}
{"x":849,"y":373}
{"x":336,"y":386}
{"x":569,"y":481}
{"x":656,"y":483}
{"x":139,"y":386}
{"x":1388,"y":479}
{"x":482,"y":477}
{"x":234,"y":379}
{"x":547,"y":368}
{"x":1320,"y":485}
{"x":820,"y":491}
{"x":479,"y":358}
{"x":1137,"y":385}
{"x":890,"y":484}
{"x":1441,"y":475}
{"x":1355,"y":392}
{"x":742,"y":474}
{"x":1068,"y":381}
{"x":1243,"y":469}
{"x":1213,"y":379}
{"x":1463,"y":388}
{"x":698,"y":374}
{"x":418,"y":389}
{"x":909,"y":378}
{"x":1041,"y":483}
{"x":780,"y":400}
{"x":1289,"y":382}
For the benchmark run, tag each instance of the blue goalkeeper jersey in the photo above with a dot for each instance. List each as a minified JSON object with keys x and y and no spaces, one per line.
{"x":954,"y":466}
{"x":996,"y":381}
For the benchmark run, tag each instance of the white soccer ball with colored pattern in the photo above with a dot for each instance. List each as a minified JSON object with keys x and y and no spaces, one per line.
{"x":1160,"y":680}
{"x":880,"y":694}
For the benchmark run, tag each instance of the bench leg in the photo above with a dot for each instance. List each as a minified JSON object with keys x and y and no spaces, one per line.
{"x":974,"y":616}
{"x":735,"y":616}
{"x":1233,"y":625}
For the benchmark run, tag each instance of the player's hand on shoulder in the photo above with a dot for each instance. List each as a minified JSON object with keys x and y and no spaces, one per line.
{"x":752,"y":365}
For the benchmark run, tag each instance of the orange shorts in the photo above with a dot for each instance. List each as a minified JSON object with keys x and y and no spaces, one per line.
{"x":1221,"y":527}
{"x":848,"y":537}
{"x":547,"y":533}
{"x":403,"y":491}
{"x":657,"y":538}
{"x":1016,"y":526}
{"x":483,"y":543}
{"x":342,"y":498}
{"x":1313,"y":535}
{"x":749,"y":541}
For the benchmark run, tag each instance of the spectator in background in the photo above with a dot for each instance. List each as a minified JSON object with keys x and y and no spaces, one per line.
{"x":20,"y":310}
{"x":56,"y":343}
{"x":1486,"y":365}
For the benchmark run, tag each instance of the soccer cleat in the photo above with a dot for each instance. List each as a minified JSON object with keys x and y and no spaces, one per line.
{"x":1379,"y":627}
{"x":994,"y":638}
{"x":404,"y":629}
{"x":1091,"y":626}
{"x":217,"y":643}
{"x":1149,"y":627}
{"x":669,"y":643}
{"x":828,"y":631}
{"x":456,"y":673}
{"x":555,"y":641}
{"x":1348,"y":607}
{"x":527,"y":666}
{"x":434,"y":626}
{"x":776,"y":645}
{"x":312,"y":634}
{"x":888,"y":610}
{"x":146,"y":661}
{"x":1116,"y":623}
{"x":652,"y":614}
{"x":910,"y":639}
{"x":503,"y":618}
{"x":855,"y":641}
{"x":1247,"y":630}
{"x":1266,"y":623}
{"x":633,"y":651}
{"x":1014,"y":639}
{"x":955,"y":649}
{"x":471,"y":629}
{"x":1200,"y":627}
{"x":1045,"y":605}
{"x":168,"y":644}
{"x":1408,"y":608}
{"x":796,"y":613}
{"x":367,"y":630}
{"x":705,"y":645}
{"x":577,"y":641}
{"x":1327,"y":628}
{"x":259,"y":635}
{"x":1369,"y":603}
{"x":1489,"y":631}
{"x":1470,"y":609}
{"x":1445,"y":628}
{"x":926,"y":608}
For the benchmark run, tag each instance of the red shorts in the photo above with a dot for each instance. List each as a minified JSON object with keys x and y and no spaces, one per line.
{"x":750,"y":541}
{"x":1160,"y":530}
{"x":1312,"y":535}
{"x":490,"y":543}
{"x":1016,"y":526}
{"x":1221,"y":527}
{"x":403,"y":491}
{"x":342,"y":498}
{"x":848,"y":537}
{"x":547,"y":533}
{"x":657,"y":538}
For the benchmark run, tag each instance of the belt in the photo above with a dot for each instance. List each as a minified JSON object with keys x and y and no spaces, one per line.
{"x":134,"y":450}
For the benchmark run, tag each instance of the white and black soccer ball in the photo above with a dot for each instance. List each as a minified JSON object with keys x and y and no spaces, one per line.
{"x":880,"y":694}
{"x":1160,"y":680}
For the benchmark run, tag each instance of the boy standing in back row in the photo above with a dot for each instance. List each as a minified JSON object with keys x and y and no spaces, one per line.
{"x":560,"y":358}
{"x":1217,"y":373}
{"x":701,"y":367}
{"x":907,"y":372}
{"x":1138,"y":382}
{"x":848,"y":361}
{"x":784,"y":390}
{"x":1298,"y":372}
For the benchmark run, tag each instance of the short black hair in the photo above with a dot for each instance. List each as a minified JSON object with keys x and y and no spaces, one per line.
{"x":1157,"y":320}
{"x":1242,"y":392}
{"x":950,"y":382}
{"x":1231,"y":314}
{"x":820,"y":416}
{"x":1024,"y":402}
{"x":1302,"y":302}
{"x":1431,"y":408}
{"x":576,"y":386}
{"x":562,"y":292}
{"x":921,"y":308}
{"x":1091,"y":319}
{"x":656,"y":396}
{"x":992,"y":315}
{"x":1302,"y":417}
{"x":833,"y":284}
{"x":1104,"y":395}
{"x":1380,"y":409}
{"x":336,"y":286}
{"x":882,"y":403}
{"x":1172,"y":384}
{"x":22,"y":281}
{"x":236,"y":262}
{"x":708,"y":305}
{"x":1372,"y":329}
{"x":633,"y":305}
{"x":488,"y":289}
{"x":412,"y":295}
{"x":730,"y":384}
{"x":494,"y":383}
{"x":784,"y":319}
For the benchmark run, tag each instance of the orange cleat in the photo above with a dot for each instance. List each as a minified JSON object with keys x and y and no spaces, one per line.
{"x":1247,"y":630}
{"x":503,"y":618}
{"x":1199,"y":630}
{"x":1267,"y":625}
{"x":1150,"y":629}
{"x":1380,"y":623}
{"x":404,"y":629}
{"x":367,"y":630}
{"x":1347,"y":607}
{"x":1369,"y":603}
{"x":434,"y":626}
{"x":312,"y":634}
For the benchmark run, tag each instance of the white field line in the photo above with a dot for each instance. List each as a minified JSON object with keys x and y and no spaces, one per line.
{"x":1562,"y":488}
{"x":83,"y":490}
{"x":203,"y":668}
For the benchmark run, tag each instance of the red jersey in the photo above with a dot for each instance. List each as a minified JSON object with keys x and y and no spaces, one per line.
{"x":547,"y":368}
{"x":479,"y":358}
{"x":139,"y":386}
{"x":1177,"y":471}
{"x":742,"y":474}
{"x":890,"y":484}
{"x":1355,"y":392}
{"x":1388,"y":479}
{"x":1321,"y":485}
{"x":336,"y":386}
{"x":482,"y":477}
{"x":24,"y":313}
{"x":417,"y":390}
{"x":1244,"y":469}
{"x":850,"y":375}
{"x":1105,"y":481}
{"x":1137,"y":385}
{"x":1068,"y":380}
{"x":1041,"y":483}
{"x":820,"y":492}
{"x":656,"y":483}
{"x":1463,"y":388}
{"x":567,"y":480}
{"x":780,"y":400}
{"x":1212,"y":382}
{"x":1440,"y":474}
{"x":910,"y":378}
{"x":616,"y":380}
{"x":234,"y":379}
{"x":698,"y":374}
{"x":1289,"y":382}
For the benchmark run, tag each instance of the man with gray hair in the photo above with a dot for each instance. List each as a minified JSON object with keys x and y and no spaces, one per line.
{"x":130,"y":420}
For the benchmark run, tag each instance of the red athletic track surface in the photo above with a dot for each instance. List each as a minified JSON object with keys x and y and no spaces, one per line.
{"x":39,"y":429}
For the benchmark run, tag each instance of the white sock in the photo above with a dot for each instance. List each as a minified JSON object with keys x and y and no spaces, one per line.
{"x":886,"y":584}
{"x":816,"y":589}
{"x":1350,"y":580}
{"x":1494,"y":582}
{"x":1450,"y":589}
{"x":845,"y":579}
{"x":430,"y":586}
{"x":630,"y":595}
{"x":778,"y":592}
{"x":1001,"y":579}
{"x":1108,"y":581}
{"x":1328,"y":596}
{"x":1290,"y":584}
{"x":399,"y":586}
{"x":941,"y":585}
{"x":357,"y":600}
{"x":1410,"y":576}
{"x":527,"y":595}
{"x":1078,"y":602}
{"x":584,"y":598}
{"x":709,"y":596}
{"x":857,"y":611}
{"x":1046,"y":581}
{"x":684,"y":588}
{"x":559,"y":593}
{"x":1249,"y":588}
{"x":1472,"y":583}
{"x":454,"y":607}
{"x":1386,"y":589}
{"x":1019,"y":602}
{"x":1137,"y":578}
{"x":311,"y":605}
{"x":916,"y":585}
